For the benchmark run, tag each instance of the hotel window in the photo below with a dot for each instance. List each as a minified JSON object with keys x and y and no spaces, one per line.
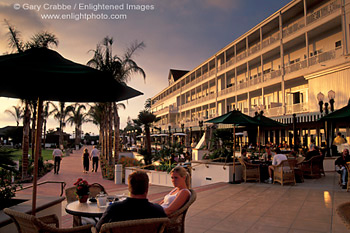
{"x":338,"y":44}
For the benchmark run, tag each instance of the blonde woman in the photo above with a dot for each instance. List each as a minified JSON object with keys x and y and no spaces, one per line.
{"x":177,"y":197}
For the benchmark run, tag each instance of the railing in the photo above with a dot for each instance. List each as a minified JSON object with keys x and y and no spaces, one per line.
{"x":271,"y":39}
{"x":294,"y":27}
{"x":296,"y":108}
{"x":277,"y":111}
{"x":323,"y":12}
{"x":63,"y":185}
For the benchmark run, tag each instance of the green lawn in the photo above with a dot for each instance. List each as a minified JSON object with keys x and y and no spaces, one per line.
{"x":47,"y":154}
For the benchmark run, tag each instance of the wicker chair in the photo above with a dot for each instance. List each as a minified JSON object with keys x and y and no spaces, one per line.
{"x":298,"y":169}
{"x":312,"y":167}
{"x":250,"y":171}
{"x":151,"y":225}
{"x":31,"y":224}
{"x":284,"y":172}
{"x":343,"y":211}
{"x":177,"y":219}
{"x":94,"y":189}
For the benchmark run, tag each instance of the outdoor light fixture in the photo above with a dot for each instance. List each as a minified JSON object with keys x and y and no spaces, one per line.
{"x":331,"y":96}
{"x":320,"y":98}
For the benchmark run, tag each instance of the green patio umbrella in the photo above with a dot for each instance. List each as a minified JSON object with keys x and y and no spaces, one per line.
{"x":43,"y":74}
{"x":236,"y":118}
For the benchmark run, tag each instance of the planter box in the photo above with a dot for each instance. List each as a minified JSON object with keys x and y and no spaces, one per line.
{"x":198,"y":154}
{"x":155,"y":177}
{"x":205,"y":172}
{"x":45,"y":206}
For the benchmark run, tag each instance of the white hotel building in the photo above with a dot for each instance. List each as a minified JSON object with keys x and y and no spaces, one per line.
{"x":279,"y":66}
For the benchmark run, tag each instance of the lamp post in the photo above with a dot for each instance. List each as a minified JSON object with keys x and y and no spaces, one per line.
{"x":320,"y":98}
{"x":200,"y":123}
{"x":169,"y":128}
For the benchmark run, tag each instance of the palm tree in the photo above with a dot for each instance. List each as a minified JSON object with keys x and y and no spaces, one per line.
{"x":17,"y":113}
{"x":42,"y":40}
{"x":145,"y":119}
{"x":122,"y":69}
{"x":60,"y":113}
{"x":77,"y":117}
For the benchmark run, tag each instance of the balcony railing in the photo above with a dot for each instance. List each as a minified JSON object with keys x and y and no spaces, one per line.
{"x":296,"y":108}
{"x":323,"y":12}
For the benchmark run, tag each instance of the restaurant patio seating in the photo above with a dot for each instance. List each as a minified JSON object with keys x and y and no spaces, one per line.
{"x":150,"y":225}
{"x":30,"y":224}
{"x":299,"y":177}
{"x":250,"y":171}
{"x":284,"y":172}
{"x":177,"y":219}
{"x":94,"y":189}
{"x":312,"y":167}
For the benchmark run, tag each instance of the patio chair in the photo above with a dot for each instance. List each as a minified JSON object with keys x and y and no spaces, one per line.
{"x":150,"y":225}
{"x":95,"y":189}
{"x":177,"y":219}
{"x":31,"y":224}
{"x":343,"y":211}
{"x":299,"y":177}
{"x":312,"y":167}
{"x":284,"y":172}
{"x":250,"y":171}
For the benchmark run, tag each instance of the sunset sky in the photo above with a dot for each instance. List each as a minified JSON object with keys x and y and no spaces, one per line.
{"x":178,"y":34}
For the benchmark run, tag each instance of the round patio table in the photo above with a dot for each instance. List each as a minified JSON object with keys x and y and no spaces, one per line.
{"x":88,"y":209}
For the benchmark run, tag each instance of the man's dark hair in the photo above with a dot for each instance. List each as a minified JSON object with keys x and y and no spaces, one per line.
{"x":278,"y":151}
{"x":138,"y":182}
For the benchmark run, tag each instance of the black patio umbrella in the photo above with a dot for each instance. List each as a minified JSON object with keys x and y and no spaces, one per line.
{"x":236,"y":118}
{"x":43,"y":74}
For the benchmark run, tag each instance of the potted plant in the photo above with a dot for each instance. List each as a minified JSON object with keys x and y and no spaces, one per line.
{"x":82,"y":190}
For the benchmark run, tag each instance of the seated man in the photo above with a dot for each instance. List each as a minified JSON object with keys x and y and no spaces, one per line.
{"x":312,"y":152}
{"x":244,"y":155}
{"x":277,"y":159}
{"x":340,"y":164}
{"x":134,"y":207}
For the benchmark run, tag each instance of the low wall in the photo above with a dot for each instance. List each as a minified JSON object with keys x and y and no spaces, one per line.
{"x":198,"y":154}
{"x":155,"y":177}
{"x":328,"y":164}
{"x":204,"y":172}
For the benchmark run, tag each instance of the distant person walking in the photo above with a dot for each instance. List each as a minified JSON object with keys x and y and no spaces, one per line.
{"x":57,"y":157}
{"x":86,"y":160}
{"x":95,"y":155}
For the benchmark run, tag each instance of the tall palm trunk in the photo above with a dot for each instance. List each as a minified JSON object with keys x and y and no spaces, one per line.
{"x":148,"y":145}
{"x":110,"y":134}
{"x":25,"y":140}
{"x":60,"y":137}
{"x":33,"y":125}
{"x":116,"y":132}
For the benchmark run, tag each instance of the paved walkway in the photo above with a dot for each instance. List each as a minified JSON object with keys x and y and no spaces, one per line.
{"x":251,"y":207}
